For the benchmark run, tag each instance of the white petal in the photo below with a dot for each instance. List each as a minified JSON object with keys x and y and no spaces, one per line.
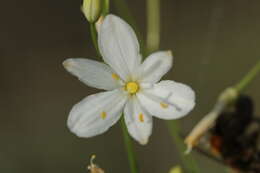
{"x":119,"y":46}
{"x":155,"y":66}
{"x":138,"y":121}
{"x":96,"y":113}
{"x":92,"y":73}
{"x":168,"y":99}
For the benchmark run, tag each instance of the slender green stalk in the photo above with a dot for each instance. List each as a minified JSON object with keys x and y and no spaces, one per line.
{"x":129,"y":148}
{"x":94,"y":36}
{"x":248,"y":77}
{"x":105,"y":8}
{"x":153,"y":25}
{"x":187,"y":160}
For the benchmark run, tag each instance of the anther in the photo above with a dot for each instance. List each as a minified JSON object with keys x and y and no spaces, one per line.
{"x":164,"y":105}
{"x":141,"y":117}
{"x":115,"y":76}
{"x":103,"y":115}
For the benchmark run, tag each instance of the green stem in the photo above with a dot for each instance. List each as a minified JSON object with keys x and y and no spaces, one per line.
{"x":187,"y":160}
{"x":105,"y":9}
{"x":153,"y":25}
{"x":248,"y":77}
{"x":129,"y":148}
{"x":94,"y":36}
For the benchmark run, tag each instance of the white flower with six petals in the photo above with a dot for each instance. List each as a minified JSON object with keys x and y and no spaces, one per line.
{"x":132,"y":87}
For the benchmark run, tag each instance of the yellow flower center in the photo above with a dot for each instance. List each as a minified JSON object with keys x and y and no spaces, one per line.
{"x":132,"y":87}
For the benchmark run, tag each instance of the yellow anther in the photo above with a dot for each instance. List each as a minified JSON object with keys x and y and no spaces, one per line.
{"x":141,"y":117}
{"x":164,"y":105}
{"x":115,"y":76}
{"x":103,"y":115}
{"x":132,"y":87}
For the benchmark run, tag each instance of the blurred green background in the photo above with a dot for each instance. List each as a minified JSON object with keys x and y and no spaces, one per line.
{"x":214,"y":43}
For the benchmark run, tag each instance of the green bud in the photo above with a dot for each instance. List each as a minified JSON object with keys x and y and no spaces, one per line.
{"x":91,"y":9}
{"x":176,"y":169}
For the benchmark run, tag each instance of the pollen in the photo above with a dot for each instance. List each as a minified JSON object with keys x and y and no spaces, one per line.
{"x":115,"y":76}
{"x":164,"y":105}
{"x":103,"y":115}
{"x":141,"y":117}
{"x":132,"y":87}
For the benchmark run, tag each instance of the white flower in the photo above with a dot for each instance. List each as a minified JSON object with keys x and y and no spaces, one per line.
{"x":132,"y":87}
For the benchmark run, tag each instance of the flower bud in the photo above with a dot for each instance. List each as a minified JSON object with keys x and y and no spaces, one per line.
{"x":176,"y":169}
{"x":91,"y":9}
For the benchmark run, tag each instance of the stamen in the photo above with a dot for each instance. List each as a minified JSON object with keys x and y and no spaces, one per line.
{"x":115,"y":76}
{"x":141,"y":117}
{"x":132,"y":87}
{"x":164,"y":105}
{"x":103,"y":115}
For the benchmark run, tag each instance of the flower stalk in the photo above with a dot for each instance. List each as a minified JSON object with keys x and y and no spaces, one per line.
{"x":129,"y":148}
{"x":248,"y":77}
{"x":153,"y":25}
{"x":105,"y":8}
{"x":93,"y":33}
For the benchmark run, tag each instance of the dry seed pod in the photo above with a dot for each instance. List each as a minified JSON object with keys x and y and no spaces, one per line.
{"x":225,"y":98}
